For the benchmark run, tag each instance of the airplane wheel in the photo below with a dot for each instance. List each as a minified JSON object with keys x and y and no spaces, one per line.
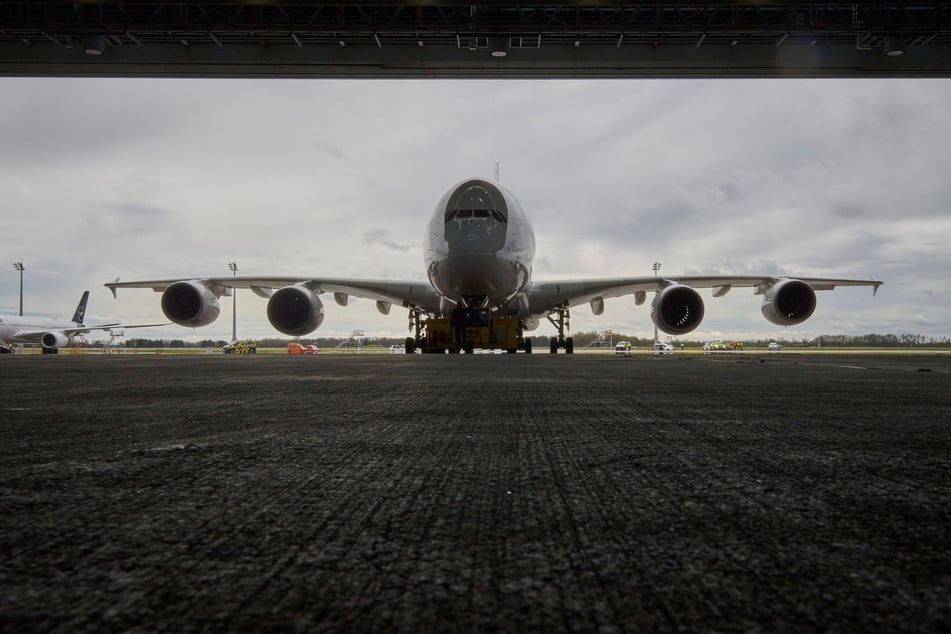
{"x":569,"y":345}
{"x":527,"y":346}
{"x":409,"y":345}
{"x":553,"y":345}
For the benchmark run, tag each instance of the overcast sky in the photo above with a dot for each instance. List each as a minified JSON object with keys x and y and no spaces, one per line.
{"x":147,"y":178}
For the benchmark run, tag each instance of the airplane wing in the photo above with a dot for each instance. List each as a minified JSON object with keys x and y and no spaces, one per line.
{"x":26,"y":336}
{"x":545,"y":296}
{"x":117,"y":325}
{"x":37,"y":334}
{"x":407,"y":293}
{"x":82,"y":330}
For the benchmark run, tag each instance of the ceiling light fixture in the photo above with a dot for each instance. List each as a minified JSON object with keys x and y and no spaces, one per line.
{"x":94,"y":45}
{"x":499,"y":49}
{"x":894,"y":46}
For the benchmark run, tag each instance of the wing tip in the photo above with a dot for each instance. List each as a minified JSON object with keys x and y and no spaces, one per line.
{"x":112,"y":287}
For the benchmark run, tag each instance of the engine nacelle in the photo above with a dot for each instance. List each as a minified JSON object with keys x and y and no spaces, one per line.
{"x":677,"y":309}
{"x":788,"y":303}
{"x":54,"y":339}
{"x":190,"y":303}
{"x":295,"y":310}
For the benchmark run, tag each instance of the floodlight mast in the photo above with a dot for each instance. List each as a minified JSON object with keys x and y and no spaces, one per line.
{"x":655,"y":268}
{"x":19,"y":267}
{"x":234,"y":303}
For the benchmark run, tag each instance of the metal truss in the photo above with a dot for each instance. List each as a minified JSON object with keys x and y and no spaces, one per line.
{"x":551,"y":28}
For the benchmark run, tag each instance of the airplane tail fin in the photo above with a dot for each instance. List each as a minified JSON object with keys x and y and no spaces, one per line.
{"x":80,"y":313}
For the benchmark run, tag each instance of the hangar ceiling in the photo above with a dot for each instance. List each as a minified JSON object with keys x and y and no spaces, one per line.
{"x":449,"y":39}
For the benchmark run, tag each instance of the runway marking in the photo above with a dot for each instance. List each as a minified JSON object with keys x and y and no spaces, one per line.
{"x":835,"y":365}
{"x":176,"y":447}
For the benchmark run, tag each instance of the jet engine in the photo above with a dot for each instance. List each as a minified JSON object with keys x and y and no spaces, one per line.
{"x":677,"y":309}
{"x":295,"y":310}
{"x":788,"y":303}
{"x":190,"y":303}
{"x":54,"y":339}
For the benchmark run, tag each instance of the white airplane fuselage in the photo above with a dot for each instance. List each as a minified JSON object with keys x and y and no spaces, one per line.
{"x":479,"y":246}
{"x":49,"y":332}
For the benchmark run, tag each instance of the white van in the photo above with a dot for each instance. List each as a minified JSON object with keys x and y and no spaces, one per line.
{"x":663,"y":348}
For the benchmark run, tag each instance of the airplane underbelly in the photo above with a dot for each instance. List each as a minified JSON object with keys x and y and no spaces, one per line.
{"x":494,"y":279}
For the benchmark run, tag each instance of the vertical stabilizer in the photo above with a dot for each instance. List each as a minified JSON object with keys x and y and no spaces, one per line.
{"x":80,"y":313}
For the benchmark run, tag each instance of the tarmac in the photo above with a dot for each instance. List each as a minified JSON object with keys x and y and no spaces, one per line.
{"x":482,"y":493}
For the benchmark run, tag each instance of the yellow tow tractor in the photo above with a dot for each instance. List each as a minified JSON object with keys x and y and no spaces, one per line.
{"x":481,"y":331}
{"x":246,"y":346}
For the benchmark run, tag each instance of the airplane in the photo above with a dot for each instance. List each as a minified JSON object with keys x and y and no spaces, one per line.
{"x":479,"y":247}
{"x":53,"y":334}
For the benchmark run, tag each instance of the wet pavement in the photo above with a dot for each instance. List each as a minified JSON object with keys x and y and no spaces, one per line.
{"x":478,"y":493}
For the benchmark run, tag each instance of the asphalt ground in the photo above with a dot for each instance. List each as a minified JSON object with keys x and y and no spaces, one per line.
{"x":475,"y":493}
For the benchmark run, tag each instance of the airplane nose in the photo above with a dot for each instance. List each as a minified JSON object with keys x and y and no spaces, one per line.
{"x":472,"y":243}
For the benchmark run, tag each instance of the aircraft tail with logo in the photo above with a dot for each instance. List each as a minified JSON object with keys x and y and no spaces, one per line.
{"x":80,"y":315}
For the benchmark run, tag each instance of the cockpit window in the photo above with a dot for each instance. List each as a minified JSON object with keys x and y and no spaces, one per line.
{"x":476,"y":216}
{"x":462,"y":214}
{"x":477,"y":199}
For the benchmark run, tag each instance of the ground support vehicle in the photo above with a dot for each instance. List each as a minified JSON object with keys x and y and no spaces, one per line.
{"x":297,"y":348}
{"x":483,"y":331}
{"x":241,"y":347}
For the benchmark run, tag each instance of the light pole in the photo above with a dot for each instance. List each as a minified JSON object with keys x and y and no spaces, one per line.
{"x":19,"y":266}
{"x":656,"y":268}
{"x":234,"y":303}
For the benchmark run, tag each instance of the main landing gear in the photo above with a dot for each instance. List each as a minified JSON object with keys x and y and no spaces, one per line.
{"x":525,"y":343}
{"x":416,"y":325}
{"x":559,"y":318}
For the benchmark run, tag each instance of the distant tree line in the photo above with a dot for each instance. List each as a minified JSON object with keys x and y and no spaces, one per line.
{"x":582,"y":340}
{"x":872,"y":340}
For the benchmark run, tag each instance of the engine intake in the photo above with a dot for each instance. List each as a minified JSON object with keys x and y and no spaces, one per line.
{"x":190,"y":303}
{"x":295,"y":310}
{"x":54,"y":339}
{"x":677,"y":309}
{"x":788,"y":303}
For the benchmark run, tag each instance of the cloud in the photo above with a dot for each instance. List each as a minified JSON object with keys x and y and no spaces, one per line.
{"x":382,"y":237}
{"x":175,"y":178}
